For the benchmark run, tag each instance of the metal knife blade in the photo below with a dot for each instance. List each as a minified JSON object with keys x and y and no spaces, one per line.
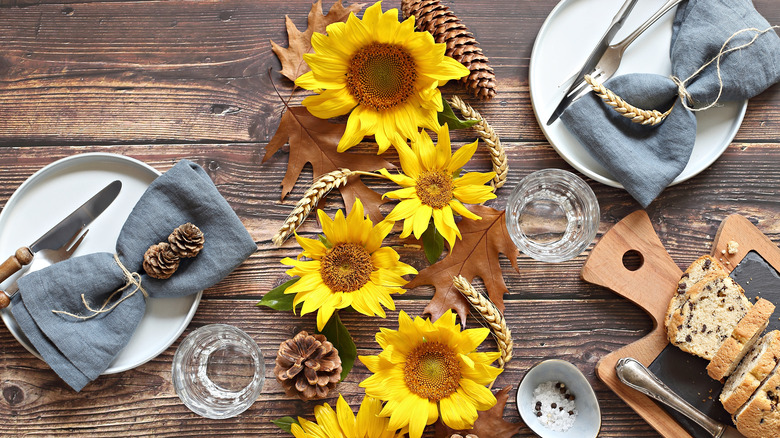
{"x":593,"y":59}
{"x":66,"y":229}
{"x":81,"y":217}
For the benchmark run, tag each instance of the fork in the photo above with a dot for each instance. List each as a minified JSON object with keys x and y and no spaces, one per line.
{"x":44,"y":258}
{"x":610,"y":60}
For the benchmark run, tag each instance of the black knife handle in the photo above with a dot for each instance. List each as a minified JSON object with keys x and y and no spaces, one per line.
{"x":23,"y":256}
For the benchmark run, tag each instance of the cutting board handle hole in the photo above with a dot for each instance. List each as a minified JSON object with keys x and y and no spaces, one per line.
{"x":633,"y":260}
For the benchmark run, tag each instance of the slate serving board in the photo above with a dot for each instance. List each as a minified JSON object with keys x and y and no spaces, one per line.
{"x":651,"y":286}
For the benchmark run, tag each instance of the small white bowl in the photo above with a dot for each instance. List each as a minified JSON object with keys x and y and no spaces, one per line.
{"x":588,"y":421}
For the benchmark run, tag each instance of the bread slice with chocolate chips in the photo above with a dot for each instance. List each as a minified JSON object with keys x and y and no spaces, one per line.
{"x":699,"y":269}
{"x":759,"y":417}
{"x":714,"y":306}
{"x":751,"y":372}
{"x":742,"y":339}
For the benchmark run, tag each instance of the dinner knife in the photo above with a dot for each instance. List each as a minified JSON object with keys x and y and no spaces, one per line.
{"x":62,"y":233}
{"x":593,"y":59}
{"x":631,"y":372}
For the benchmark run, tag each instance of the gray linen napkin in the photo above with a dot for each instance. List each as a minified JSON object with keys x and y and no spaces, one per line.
{"x":80,"y":350}
{"x":647,"y":159}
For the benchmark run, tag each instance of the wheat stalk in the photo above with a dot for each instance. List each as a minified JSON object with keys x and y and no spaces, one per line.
{"x":311,"y":198}
{"x":491,"y":315}
{"x":625,"y":109}
{"x":489,"y":136}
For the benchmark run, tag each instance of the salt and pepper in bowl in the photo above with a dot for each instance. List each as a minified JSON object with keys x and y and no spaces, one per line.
{"x":555,"y":401}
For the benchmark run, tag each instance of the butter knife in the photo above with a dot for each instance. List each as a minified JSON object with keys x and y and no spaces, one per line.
{"x":593,"y":59}
{"x":631,"y":372}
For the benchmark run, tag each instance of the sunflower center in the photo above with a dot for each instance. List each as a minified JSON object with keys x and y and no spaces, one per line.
{"x":432,"y":371}
{"x":346,"y":267}
{"x":381,"y":76}
{"x":434,"y":188}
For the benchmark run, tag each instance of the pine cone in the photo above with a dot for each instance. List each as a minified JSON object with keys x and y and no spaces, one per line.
{"x":307,"y":366}
{"x":186,"y":240}
{"x":434,"y":17}
{"x":160,"y":261}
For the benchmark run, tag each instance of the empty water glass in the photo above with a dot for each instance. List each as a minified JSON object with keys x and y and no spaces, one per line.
{"x":218,"y":371}
{"x":552,"y":215}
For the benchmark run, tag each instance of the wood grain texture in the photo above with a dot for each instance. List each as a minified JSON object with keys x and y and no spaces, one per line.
{"x":162,"y":81}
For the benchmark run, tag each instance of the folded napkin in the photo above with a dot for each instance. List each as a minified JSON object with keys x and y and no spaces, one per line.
{"x":79,"y":350}
{"x":646,"y":159}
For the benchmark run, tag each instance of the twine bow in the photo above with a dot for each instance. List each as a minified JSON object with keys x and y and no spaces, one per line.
{"x":133,"y":279}
{"x":654,"y":117}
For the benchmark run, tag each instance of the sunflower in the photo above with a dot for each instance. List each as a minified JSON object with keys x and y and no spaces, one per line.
{"x":342,"y":423}
{"x":432,"y":187}
{"x":429,"y":369}
{"x":383,"y":71}
{"x":350,"y":268}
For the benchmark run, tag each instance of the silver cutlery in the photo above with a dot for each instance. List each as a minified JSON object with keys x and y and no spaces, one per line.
{"x":631,"y":372}
{"x":605,"y":59}
{"x":61,"y":235}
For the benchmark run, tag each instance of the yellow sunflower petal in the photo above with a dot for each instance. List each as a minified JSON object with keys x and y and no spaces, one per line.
{"x":474,"y":178}
{"x":421,"y":219}
{"x":409,"y":161}
{"x":459,"y":208}
{"x":345,"y":417}
{"x":404,"y":193}
{"x":474,"y":194}
{"x":462,"y":156}
{"x":398,"y":178}
{"x":445,"y":230}
{"x":483,"y":398}
{"x":443,"y":147}
{"x":404,"y":209}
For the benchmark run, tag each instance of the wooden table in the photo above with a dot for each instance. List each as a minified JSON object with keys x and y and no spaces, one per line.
{"x":162,"y":81}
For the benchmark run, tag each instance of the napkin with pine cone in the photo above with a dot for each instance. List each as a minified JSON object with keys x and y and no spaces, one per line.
{"x":646,"y":159}
{"x":79,"y":350}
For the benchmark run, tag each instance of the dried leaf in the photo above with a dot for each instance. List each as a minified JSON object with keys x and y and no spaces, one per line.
{"x":314,"y":141}
{"x":291,"y":56}
{"x":476,"y":255}
{"x":489,"y":423}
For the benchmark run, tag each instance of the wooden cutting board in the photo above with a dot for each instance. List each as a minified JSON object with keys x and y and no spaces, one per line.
{"x":650,"y":281}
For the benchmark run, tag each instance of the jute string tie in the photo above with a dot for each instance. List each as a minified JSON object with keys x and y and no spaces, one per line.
{"x":654,"y":117}
{"x":133,"y":279}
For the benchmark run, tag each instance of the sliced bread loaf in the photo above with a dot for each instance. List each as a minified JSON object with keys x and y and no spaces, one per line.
{"x":742,"y":339}
{"x":699,"y":269}
{"x":759,"y":417}
{"x":714,"y":306}
{"x":758,"y":363}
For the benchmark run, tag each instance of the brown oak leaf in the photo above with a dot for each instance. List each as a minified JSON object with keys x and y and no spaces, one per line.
{"x":489,"y":424}
{"x":291,"y":56}
{"x":314,"y":141}
{"x":476,"y":255}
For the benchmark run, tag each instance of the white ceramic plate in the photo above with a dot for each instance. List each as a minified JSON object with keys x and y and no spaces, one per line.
{"x":54,"y":192}
{"x":565,"y":40}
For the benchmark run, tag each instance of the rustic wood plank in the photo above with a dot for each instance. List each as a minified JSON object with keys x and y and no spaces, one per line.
{"x":143,"y":402}
{"x":197,"y":71}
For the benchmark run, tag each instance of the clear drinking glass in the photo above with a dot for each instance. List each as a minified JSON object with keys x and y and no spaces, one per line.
{"x":552,"y":215}
{"x":218,"y":371}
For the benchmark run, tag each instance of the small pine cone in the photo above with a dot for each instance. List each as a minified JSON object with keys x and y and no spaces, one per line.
{"x":434,"y":17}
{"x":186,"y":240}
{"x":307,"y":366}
{"x":160,"y":261}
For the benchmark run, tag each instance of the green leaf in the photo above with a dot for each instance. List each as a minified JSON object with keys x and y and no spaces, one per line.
{"x":285,"y":423}
{"x":448,"y":116}
{"x":433,"y":243}
{"x":324,"y":239}
{"x":277,"y":299}
{"x":339,"y":336}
